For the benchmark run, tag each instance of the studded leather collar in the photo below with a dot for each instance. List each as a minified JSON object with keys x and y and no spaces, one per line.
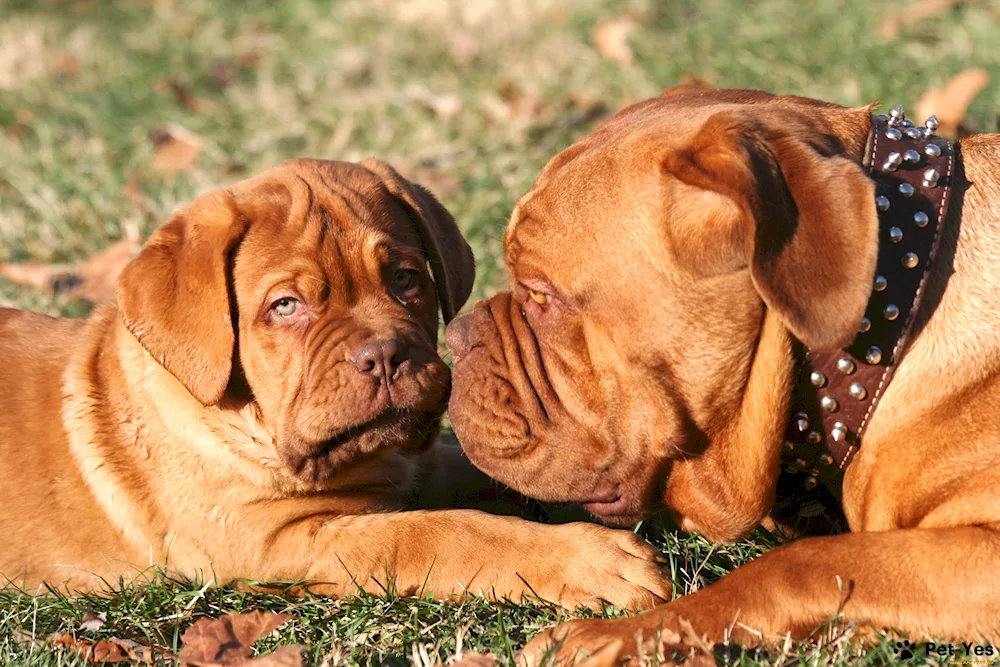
{"x":837,"y":392}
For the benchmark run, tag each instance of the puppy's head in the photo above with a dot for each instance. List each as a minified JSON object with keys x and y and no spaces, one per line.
{"x":643,"y":264}
{"x":307,"y":290}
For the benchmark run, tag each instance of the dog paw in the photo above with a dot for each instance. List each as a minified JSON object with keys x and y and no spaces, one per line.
{"x":585,"y":565}
{"x":652,"y":638}
{"x":592,"y":642}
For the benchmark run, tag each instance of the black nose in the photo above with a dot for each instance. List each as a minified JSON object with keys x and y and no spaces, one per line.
{"x":380,"y":358}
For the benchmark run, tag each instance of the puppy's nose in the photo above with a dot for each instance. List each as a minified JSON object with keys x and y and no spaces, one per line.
{"x":380,"y":358}
{"x":457,"y":336}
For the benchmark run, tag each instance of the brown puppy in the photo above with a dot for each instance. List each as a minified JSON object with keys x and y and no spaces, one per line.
{"x":263,"y":396}
{"x":665,"y":271}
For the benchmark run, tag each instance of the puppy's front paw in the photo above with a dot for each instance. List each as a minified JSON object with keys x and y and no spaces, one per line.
{"x":583,"y":565}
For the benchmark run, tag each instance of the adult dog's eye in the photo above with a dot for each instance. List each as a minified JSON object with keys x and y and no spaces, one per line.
{"x":540,"y":298}
{"x":285,"y":307}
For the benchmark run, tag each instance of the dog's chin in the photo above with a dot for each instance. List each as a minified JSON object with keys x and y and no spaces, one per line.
{"x":318,"y":462}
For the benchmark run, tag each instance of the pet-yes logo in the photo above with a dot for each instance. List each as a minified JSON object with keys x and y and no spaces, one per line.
{"x":962,"y":653}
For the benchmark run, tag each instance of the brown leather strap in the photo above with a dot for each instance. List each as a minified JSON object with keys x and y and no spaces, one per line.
{"x":837,"y":392}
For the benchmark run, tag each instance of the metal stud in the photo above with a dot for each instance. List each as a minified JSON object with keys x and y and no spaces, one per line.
{"x":894,"y":134}
{"x":891,"y":312}
{"x":910,"y":260}
{"x":857,"y":391}
{"x":920,"y":219}
{"x":892,"y":161}
{"x":932,"y":150}
{"x":800,"y":464}
{"x":826,"y":459}
{"x":907,"y":123}
{"x":814,"y":437}
{"x":817,"y":379}
{"x":866,"y":324}
{"x":906,"y":189}
{"x":845,"y":366}
{"x":829,"y":404}
{"x":931,"y":177}
{"x":882,"y":203}
{"x":922,"y":130}
{"x":802,"y":421}
{"x":811,"y":483}
{"x":873,"y":355}
{"x":932,"y":125}
{"x":912,"y":132}
{"x":896,"y":114}
{"x":911,"y":156}
{"x":839,"y":431}
{"x":881,"y":116}
{"x":880,"y":283}
{"x":788,"y":446}
{"x":895,"y":234}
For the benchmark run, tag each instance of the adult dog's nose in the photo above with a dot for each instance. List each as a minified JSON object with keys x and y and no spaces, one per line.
{"x":457,"y":337}
{"x":380,"y":358}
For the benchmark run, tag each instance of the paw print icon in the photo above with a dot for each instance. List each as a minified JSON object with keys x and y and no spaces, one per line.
{"x":902,"y":649}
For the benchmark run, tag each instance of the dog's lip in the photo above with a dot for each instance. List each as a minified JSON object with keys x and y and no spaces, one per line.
{"x":609,"y":503}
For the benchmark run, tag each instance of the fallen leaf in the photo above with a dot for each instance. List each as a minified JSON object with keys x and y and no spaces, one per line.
{"x":64,"y":65}
{"x":93,"y":622}
{"x":611,"y":40}
{"x":177,"y":149}
{"x":104,"y":650}
{"x":917,"y":11}
{"x":181,"y":92}
{"x":950,"y":102}
{"x":229,"y":641}
{"x":93,"y":280}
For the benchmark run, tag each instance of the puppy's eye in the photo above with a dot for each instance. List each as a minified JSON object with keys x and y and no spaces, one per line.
{"x":405,"y":281}
{"x":285,"y":307}
{"x":540,"y":298}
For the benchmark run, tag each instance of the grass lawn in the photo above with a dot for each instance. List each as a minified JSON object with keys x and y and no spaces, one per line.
{"x":469,"y":97}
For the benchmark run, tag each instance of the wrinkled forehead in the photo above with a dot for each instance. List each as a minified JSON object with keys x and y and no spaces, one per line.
{"x":602,"y":184}
{"x":335,"y":211}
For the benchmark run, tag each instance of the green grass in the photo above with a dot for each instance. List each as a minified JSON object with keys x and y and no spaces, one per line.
{"x":470,"y":98}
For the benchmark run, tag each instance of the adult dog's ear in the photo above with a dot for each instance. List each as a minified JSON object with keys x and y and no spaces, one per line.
{"x":449,"y":255}
{"x":809,"y":225}
{"x":174,"y":296}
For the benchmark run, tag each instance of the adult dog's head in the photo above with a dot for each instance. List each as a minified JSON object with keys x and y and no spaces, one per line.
{"x":647,"y":265}
{"x":306,"y":291}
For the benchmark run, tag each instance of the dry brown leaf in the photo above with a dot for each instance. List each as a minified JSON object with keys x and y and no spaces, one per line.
{"x":104,"y":650}
{"x":611,"y":39}
{"x":177,"y":149}
{"x":229,"y":641}
{"x":183,"y":95}
{"x":93,"y":622}
{"x":950,"y":102}
{"x":93,"y":280}
{"x":476,"y":660}
{"x":918,"y":11}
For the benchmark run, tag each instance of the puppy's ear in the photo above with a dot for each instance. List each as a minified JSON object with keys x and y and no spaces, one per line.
{"x":174,"y":296}
{"x":449,"y":255}
{"x":808,"y":215}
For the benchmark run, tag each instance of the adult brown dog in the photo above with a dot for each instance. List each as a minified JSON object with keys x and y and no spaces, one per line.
{"x":644,"y":360}
{"x":263,"y":395}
